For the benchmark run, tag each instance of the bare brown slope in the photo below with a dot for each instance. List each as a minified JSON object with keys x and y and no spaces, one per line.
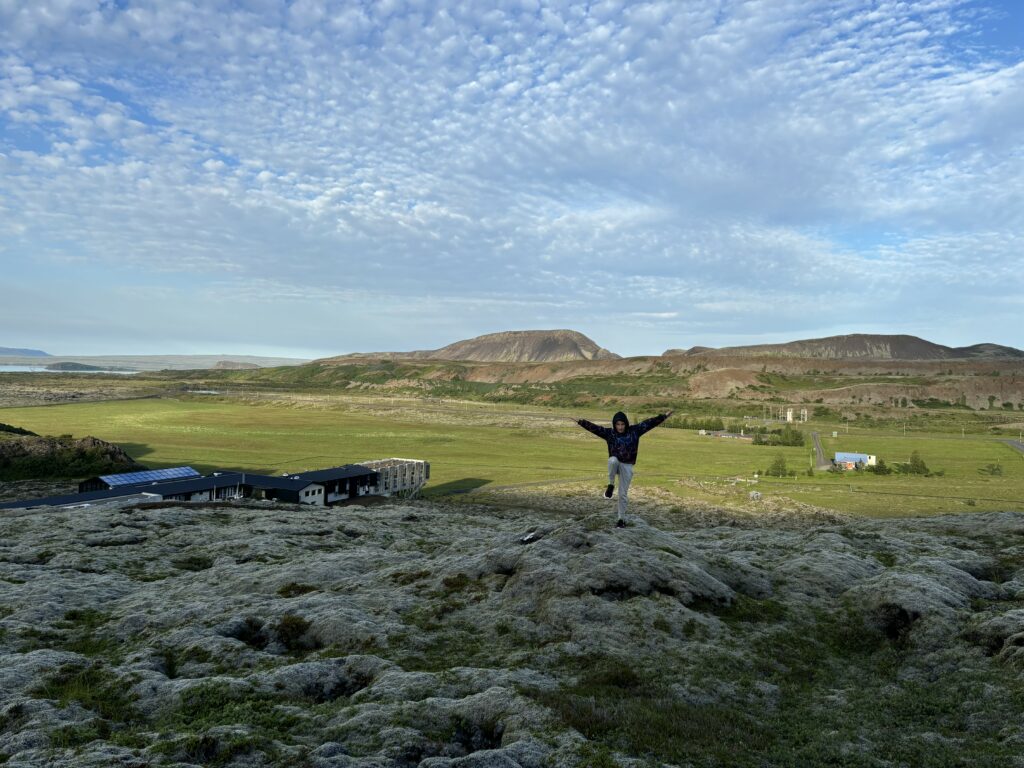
{"x":861,"y":346}
{"x":505,"y":347}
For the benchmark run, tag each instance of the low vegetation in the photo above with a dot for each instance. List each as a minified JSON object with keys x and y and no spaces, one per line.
{"x":473,"y":446}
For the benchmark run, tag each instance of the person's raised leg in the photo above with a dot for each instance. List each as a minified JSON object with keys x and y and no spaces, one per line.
{"x":613,"y":469}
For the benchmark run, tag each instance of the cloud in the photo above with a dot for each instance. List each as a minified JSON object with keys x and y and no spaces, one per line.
{"x":697,"y":168}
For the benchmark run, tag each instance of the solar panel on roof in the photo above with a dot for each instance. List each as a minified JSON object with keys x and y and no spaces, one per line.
{"x":149,"y":476}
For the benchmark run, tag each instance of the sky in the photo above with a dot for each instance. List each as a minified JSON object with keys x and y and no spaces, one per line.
{"x":312,"y":178}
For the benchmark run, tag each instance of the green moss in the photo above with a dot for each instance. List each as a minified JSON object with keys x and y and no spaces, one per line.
{"x":215,"y":751}
{"x":742,"y":609}
{"x":192,"y":562}
{"x":72,"y":736}
{"x":888,"y":559}
{"x":294,"y":589}
{"x":261,"y":719}
{"x":94,"y":686}
{"x":631,"y":710}
{"x":77,"y":632}
{"x":172,"y":658}
{"x":456,"y":583}
{"x":595,"y":756}
{"x":404,"y":578}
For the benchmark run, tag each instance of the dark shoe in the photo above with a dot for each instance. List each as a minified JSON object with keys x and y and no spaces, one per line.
{"x":608,"y":491}
{"x":620,"y":523}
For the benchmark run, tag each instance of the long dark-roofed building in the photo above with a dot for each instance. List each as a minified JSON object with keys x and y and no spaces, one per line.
{"x":320,"y":487}
{"x":143,"y":477}
{"x":73,"y":499}
{"x":346,"y":482}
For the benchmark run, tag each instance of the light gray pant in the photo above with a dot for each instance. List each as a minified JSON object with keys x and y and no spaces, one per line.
{"x":625,"y":473}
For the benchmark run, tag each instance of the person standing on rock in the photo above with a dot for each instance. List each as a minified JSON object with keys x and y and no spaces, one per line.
{"x":623,"y":443}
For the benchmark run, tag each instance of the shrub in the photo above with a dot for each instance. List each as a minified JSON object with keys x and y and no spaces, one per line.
{"x":777,"y":467}
{"x":290,"y":630}
{"x":915,"y":466}
{"x":881,"y":468}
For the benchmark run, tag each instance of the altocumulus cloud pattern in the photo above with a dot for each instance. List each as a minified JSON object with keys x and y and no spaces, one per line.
{"x":653,"y":173}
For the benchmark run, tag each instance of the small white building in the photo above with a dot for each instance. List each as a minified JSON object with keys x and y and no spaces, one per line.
{"x":848,"y":460}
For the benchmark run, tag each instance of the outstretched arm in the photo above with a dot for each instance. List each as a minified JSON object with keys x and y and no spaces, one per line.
{"x":648,"y":424}
{"x":602,"y":432}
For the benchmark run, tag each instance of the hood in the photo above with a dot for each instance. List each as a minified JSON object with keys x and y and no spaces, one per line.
{"x":620,"y":416}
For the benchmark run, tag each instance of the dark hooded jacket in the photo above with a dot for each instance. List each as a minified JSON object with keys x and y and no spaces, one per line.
{"x":623,"y":446}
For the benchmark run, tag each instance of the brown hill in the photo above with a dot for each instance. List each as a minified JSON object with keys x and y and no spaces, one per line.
{"x":686,"y":352}
{"x":862,"y":346}
{"x":505,"y":347}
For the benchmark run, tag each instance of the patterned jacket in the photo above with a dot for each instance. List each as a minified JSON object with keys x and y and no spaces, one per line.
{"x":623,"y":446}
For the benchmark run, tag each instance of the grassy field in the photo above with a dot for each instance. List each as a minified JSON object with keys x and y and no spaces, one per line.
{"x":473,"y":445}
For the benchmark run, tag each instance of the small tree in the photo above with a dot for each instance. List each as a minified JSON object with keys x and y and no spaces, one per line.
{"x":880,"y":468}
{"x":917,"y":465}
{"x":778,"y":467}
{"x":791,"y":436}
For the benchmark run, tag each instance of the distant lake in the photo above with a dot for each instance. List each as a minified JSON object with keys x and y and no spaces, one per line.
{"x":42,"y":369}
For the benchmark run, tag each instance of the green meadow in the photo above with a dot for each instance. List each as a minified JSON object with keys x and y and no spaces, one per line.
{"x":474,"y":445}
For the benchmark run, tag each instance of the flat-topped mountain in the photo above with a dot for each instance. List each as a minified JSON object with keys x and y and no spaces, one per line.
{"x":863,"y":346}
{"x":504,"y":347}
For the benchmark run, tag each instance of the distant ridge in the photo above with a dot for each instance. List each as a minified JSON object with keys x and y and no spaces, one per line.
{"x":12,"y":352}
{"x":126,"y":363}
{"x":504,"y":347}
{"x":685,"y":352}
{"x":861,"y":346}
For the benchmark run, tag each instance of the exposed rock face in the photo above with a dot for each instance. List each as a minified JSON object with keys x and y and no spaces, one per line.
{"x":507,"y":347}
{"x":722,"y":382}
{"x":459,"y":635}
{"x":43,"y":457}
{"x":863,"y":346}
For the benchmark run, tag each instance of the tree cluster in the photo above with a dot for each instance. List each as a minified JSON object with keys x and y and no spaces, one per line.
{"x":785,"y":436}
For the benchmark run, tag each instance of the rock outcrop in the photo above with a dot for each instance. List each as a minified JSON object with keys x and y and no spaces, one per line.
{"x":517,"y":635}
{"x":34,"y":456}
